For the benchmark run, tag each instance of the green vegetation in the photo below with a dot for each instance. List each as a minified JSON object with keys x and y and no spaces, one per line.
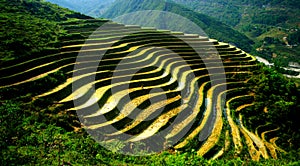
{"x":28,"y":27}
{"x":260,"y":21}
{"x":255,"y":19}
{"x":277,"y":100}
{"x":39,"y":124}
{"x":93,"y":8}
{"x":213,"y":28}
{"x":235,"y":11}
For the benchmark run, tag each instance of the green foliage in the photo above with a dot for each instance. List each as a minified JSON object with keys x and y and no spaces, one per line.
{"x":28,"y":27}
{"x":280,"y":61}
{"x":224,"y":11}
{"x":11,"y":116}
{"x":257,"y":20}
{"x":269,"y":18}
{"x":276,"y":101}
{"x":294,"y":38}
{"x":213,"y":28}
{"x":232,"y":12}
{"x":37,"y":8}
{"x":23,"y":35}
{"x":42,"y":133}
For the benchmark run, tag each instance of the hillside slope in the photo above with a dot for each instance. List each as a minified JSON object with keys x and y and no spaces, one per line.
{"x":94,"y":8}
{"x":213,"y":28}
{"x":232,"y":12}
{"x":273,"y":25}
{"x":32,"y":31}
{"x":48,"y":106}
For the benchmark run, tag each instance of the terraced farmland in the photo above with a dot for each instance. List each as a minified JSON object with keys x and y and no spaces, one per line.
{"x":149,"y":86}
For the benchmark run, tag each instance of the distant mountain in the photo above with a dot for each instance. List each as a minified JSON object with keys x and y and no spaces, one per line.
{"x":92,"y":8}
{"x":213,"y":28}
{"x":232,"y":12}
{"x":273,"y":25}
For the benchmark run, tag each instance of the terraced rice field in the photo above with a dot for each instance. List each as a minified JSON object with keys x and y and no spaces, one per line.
{"x":149,"y":86}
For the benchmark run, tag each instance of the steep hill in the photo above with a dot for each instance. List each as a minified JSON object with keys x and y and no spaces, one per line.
{"x":213,"y":28}
{"x":29,"y":27}
{"x":265,"y":22}
{"x":233,"y":12}
{"x":189,"y":98}
{"x":272,"y":25}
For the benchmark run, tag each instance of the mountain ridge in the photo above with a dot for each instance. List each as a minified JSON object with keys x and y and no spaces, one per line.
{"x":267,"y":23}
{"x":93,"y":8}
{"x":213,"y":28}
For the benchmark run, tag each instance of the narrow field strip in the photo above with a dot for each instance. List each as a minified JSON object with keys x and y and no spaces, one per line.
{"x":225,"y":148}
{"x":145,"y":114}
{"x":256,"y":140}
{"x":234,"y":128}
{"x":218,"y":125}
{"x":270,"y":146}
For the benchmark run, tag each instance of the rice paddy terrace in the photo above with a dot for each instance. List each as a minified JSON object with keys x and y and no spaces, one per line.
{"x":164,"y":77}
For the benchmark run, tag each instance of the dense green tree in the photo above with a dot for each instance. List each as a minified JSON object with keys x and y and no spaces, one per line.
{"x":294,"y":38}
{"x":276,"y":101}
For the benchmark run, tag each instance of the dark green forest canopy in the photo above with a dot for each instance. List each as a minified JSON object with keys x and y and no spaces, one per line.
{"x":281,"y":97}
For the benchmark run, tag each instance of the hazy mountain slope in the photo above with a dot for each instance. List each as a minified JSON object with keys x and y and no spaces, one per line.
{"x":213,"y":28}
{"x":222,"y":11}
{"x":273,"y":25}
{"x":92,"y":8}
{"x":232,"y":11}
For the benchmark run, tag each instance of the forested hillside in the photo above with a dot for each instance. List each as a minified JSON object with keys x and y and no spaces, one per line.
{"x":272,"y":25}
{"x":268,"y":23}
{"x":42,"y":125}
{"x":232,"y":12}
{"x":213,"y":28}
